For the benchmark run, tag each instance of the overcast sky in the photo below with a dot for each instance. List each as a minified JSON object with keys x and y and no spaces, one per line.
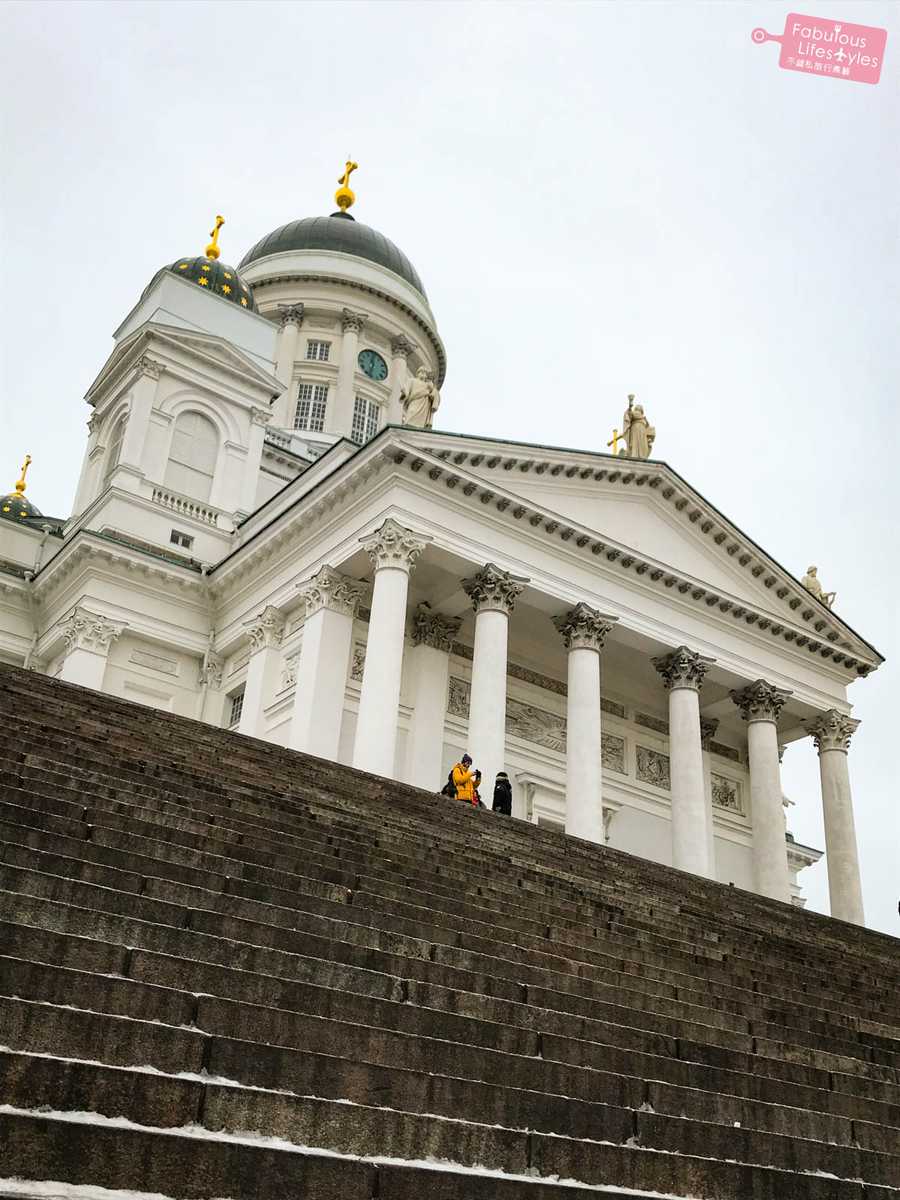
{"x":600,"y":199}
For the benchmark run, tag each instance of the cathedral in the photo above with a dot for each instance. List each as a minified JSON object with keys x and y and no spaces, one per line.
{"x":271,"y":534}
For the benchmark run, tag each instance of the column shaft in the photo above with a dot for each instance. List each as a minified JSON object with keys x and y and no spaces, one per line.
{"x":841,"y":855}
{"x":487,"y":703}
{"x":769,"y":846}
{"x":266,"y":632}
{"x":379,"y":698}
{"x":342,"y":418}
{"x":430,"y":673}
{"x":584,"y":785}
{"x":321,"y":682}
{"x":84,"y":667}
{"x":690,"y":848}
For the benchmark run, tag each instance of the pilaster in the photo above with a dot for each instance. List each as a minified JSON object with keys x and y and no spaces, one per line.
{"x":88,"y":637}
{"x":429,"y":672}
{"x":266,"y":632}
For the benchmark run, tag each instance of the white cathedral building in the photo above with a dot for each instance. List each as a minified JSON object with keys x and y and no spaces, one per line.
{"x":267,"y":535}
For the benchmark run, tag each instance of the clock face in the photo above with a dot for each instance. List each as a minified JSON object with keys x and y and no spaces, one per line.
{"x":372,"y":364}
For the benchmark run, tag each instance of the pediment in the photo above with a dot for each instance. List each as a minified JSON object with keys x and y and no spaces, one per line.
{"x":162,"y":339}
{"x":642,"y":517}
{"x":639,"y":522}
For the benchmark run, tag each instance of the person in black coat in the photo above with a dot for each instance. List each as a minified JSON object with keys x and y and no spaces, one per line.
{"x":503,"y":794}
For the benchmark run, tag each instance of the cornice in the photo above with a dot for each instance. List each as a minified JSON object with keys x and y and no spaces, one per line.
{"x":445,"y":465}
{"x":86,"y":546}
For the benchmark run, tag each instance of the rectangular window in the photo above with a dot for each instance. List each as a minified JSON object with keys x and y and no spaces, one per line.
{"x":318,"y":351}
{"x":237,"y":707}
{"x":312,"y":400}
{"x":181,"y":539}
{"x":365,"y":419}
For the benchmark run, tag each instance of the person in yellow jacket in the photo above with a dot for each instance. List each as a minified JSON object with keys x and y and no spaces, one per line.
{"x":465,"y":779}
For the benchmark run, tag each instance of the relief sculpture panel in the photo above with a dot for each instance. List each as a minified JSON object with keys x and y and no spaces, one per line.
{"x":653,"y":767}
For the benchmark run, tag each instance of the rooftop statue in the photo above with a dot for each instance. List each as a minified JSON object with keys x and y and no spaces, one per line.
{"x":420,"y":399}
{"x":811,"y":582}
{"x":638,"y":433}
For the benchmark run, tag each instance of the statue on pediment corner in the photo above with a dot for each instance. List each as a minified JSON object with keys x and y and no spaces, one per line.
{"x":811,"y":582}
{"x":637,"y":431}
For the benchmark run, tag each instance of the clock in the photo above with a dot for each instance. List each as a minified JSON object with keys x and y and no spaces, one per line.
{"x":373,"y":365}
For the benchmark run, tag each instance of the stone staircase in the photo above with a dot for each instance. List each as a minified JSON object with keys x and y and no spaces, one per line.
{"x":230,"y":970}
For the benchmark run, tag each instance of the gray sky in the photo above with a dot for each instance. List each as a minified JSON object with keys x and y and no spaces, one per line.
{"x":600,"y":198}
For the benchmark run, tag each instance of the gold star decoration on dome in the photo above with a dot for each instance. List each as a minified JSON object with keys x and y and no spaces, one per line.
{"x":227,"y":274}
{"x":182,"y":266}
{"x":206,"y":268}
{"x":203,"y":281}
{"x":226,"y":289}
{"x":244,"y":301}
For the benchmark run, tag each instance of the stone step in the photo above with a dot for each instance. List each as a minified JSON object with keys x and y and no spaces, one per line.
{"x":387,"y":1132}
{"x":179,"y":838}
{"x":213,"y":938}
{"x":612,"y":1009}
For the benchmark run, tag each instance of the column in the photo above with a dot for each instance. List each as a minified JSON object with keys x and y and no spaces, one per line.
{"x":393,"y":551}
{"x":682,"y":673}
{"x":321,"y":678}
{"x":759,"y":704}
{"x":286,"y":356}
{"x":342,"y":418}
{"x":134,"y":440}
{"x":401,"y":348}
{"x":832,"y":732}
{"x":493,"y":594}
{"x":266,"y":632}
{"x":708,"y":727}
{"x":259,"y":419}
{"x":88,"y":638}
{"x":429,"y":662}
{"x":584,"y":631}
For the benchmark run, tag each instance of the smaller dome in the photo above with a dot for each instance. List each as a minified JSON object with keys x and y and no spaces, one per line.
{"x":213,"y":276}
{"x":16,"y":507}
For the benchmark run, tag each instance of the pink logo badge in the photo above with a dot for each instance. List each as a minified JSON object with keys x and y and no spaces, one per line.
{"x":820,"y":46}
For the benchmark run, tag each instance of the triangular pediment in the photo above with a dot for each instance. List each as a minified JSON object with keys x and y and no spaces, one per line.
{"x":644,"y":517}
{"x":207,"y":349}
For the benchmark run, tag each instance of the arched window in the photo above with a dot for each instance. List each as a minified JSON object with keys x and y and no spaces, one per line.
{"x":192,"y":459}
{"x":115,"y":448}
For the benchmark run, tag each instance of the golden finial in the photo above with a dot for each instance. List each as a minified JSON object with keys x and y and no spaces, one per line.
{"x":212,"y":250}
{"x":20,"y":482}
{"x":615,"y":439}
{"x":344,"y":196}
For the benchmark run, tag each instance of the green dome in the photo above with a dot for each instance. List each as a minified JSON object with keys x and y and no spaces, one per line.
{"x":217,"y":278}
{"x":16,"y":507}
{"x":338,"y":232}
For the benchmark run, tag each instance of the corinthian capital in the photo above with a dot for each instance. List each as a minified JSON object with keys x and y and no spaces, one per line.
{"x":493,"y":590}
{"x":260,"y":416}
{"x":434,"y":629}
{"x":149,"y":366}
{"x":584,"y":628}
{"x":353,"y":322}
{"x":84,"y":630}
{"x":401,"y":347}
{"x":265,"y":630}
{"x":329,"y":589}
{"x":682,"y":668}
{"x":831,"y":730}
{"x":708,"y":727}
{"x":760,"y":701}
{"x":394,"y":546}
{"x":291,"y":314}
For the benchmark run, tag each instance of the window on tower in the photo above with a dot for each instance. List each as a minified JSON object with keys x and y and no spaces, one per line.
{"x":192,"y":458}
{"x":365,"y":419}
{"x":115,"y":448}
{"x":312,"y":401}
{"x":318,"y":351}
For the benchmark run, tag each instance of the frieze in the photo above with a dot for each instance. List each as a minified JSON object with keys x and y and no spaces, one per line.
{"x":154,"y":662}
{"x":649,"y":722}
{"x":458,"y":697}
{"x":653,"y":768}
{"x":357,"y":662}
{"x":726,"y":793}
{"x":612,"y":752}
{"x":724,"y":751}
